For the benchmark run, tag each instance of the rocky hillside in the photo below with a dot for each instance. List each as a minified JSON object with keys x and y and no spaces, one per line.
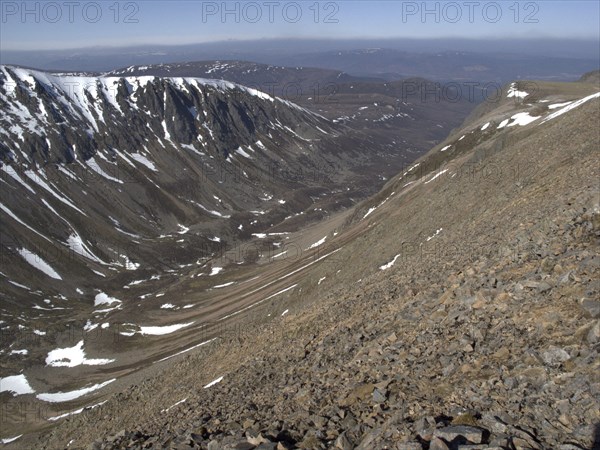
{"x":458,"y":310}
{"x":591,"y":77}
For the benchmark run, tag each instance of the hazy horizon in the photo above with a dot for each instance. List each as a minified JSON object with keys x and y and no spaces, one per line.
{"x":75,"y":25}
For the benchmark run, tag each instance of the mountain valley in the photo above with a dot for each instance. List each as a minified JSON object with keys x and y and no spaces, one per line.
{"x":195,"y":263}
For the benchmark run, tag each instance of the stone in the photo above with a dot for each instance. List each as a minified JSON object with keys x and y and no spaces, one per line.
{"x":554,"y":356}
{"x":379,"y":396}
{"x":343,"y":443}
{"x":593,"y":336}
{"x":591,"y":308}
{"x":437,"y":444}
{"x":214,"y":445}
{"x":255,"y":439}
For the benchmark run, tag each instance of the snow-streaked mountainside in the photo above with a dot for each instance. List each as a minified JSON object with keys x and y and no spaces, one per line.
{"x":38,"y":109}
{"x":105,"y":168}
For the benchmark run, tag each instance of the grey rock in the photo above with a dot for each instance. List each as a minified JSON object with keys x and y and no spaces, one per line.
{"x":438,"y":444}
{"x":540,"y":286}
{"x":590,"y":307}
{"x":343,"y":443}
{"x":593,"y":336}
{"x":239,"y":446}
{"x":214,"y":445}
{"x":379,"y":396}
{"x":554,"y":356}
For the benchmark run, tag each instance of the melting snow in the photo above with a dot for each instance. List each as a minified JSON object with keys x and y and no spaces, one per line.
{"x":77,"y":411}
{"x":96,"y":168}
{"x":522,"y":119}
{"x":104,"y":299}
{"x":39,"y":263}
{"x":503,"y":123}
{"x":390,"y":264}
{"x":318,"y":243}
{"x":212,"y":383}
{"x":72,"y":395}
{"x":159,"y":331}
{"x":9,"y":440}
{"x":369,"y":212}
{"x":436,"y":176}
{"x":22,"y":286}
{"x":215,"y":271}
{"x":188,"y":349}
{"x":17,"y":384}
{"x":571,"y":106}
{"x":223,"y":285}
{"x":145,"y":161}
{"x":37,"y":178}
{"x":435,"y":234}
{"x":75,"y":243}
{"x":72,"y":357}
{"x":10,"y":171}
{"x":19,"y":352}
{"x":174,"y":405}
{"x":240,"y":151}
{"x":558,"y":105}
{"x":513,"y":92}
{"x":485,"y":126}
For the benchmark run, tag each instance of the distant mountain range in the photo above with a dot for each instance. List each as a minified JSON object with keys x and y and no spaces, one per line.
{"x":498,"y":60}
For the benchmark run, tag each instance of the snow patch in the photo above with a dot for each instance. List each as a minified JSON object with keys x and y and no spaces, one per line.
{"x":39,"y":263}
{"x":72,"y":395}
{"x":514,"y":92}
{"x":317,"y":244}
{"x":17,"y":384}
{"x":571,"y":106}
{"x":436,"y":176}
{"x":72,"y":357}
{"x":390,"y":264}
{"x":77,"y":411}
{"x":160,"y":331}
{"x":104,"y":299}
{"x":212,"y":383}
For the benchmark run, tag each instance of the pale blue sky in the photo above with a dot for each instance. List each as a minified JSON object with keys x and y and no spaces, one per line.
{"x":60,"y":24}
